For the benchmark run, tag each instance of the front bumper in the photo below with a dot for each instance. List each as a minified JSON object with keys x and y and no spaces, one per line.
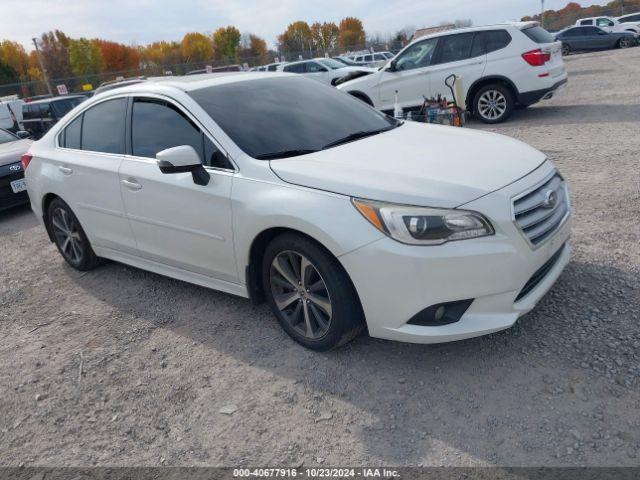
{"x":8,"y":199}
{"x":491,"y":270}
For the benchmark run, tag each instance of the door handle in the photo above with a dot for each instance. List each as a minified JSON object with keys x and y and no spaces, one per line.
{"x":131,"y":184}
{"x":65,"y":170}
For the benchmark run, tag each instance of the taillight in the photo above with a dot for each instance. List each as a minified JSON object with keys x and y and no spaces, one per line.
{"x":536,"y":58}
{"x":25,"y":159}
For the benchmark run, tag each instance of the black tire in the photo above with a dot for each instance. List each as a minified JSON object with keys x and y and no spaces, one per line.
{"x":566,"y":49}
{"x":502,"y":93}
{"x":625,"y":43}
{"x":77,"y":252}
{"x":346,"y":319}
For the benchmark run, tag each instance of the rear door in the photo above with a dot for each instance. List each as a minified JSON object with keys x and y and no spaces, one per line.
{"x":91,"y":148}
{"x":176,"y":222}
{"x":411,"y":77}
{"x":462,"y":54}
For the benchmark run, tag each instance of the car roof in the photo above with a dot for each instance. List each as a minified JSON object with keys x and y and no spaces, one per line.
{"x":444,"y":33}
{"x":192,"y":82}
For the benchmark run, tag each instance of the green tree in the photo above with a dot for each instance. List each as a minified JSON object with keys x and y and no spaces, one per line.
{"x":325,"y":36}
{"x":196,"y":47}
{"x":7,"y":74}
{"x":227,"y":42}
{"x":85,"y":57}
{"x":352,"y":35}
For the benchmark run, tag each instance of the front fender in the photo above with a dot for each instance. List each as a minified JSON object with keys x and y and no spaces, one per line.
{"x":328,"y":218}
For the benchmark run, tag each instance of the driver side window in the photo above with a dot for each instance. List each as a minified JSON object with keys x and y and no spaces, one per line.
{"x":418,"y":55}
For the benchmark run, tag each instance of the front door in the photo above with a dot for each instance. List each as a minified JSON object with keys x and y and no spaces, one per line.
{"x":410,"y":78}
{"x":175,"y":221}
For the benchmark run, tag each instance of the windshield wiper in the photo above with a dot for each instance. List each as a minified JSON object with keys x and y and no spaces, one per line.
{"x":283,"y":154}
{"x":357,"y":136}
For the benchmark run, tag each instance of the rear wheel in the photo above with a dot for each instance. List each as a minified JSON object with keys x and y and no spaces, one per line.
{"x":310,"y":293}
{"x":566,"y":49}
{"x":69,"y":236}
{"x":624,"y":43}
{"x":493,"y":103}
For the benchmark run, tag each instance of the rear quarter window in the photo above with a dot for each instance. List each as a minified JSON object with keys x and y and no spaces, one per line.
{"x":538,"y":35}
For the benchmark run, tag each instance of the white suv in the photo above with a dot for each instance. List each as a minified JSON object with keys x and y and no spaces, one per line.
{"x":609,"y":24}
{"x":632,"y":20}
{"x":502,"y":66}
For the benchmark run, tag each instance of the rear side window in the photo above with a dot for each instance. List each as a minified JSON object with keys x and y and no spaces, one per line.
{"x":313,"y":67}
{"x":538,"y":35}
{"x":456,"y":47}
{"x":591,"y":31}
{"x":586,"y":22}
{"x":157,"y":125}
{"x":272,"y":68}
{"x":71,"y":135}
{"x":496,"y":40}
{"x":45,"y":110}
{"x":368,"y":58}
{"x":103,"y":127}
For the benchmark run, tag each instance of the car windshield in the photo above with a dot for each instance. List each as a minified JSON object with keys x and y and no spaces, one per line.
{"x":64,"y":106}
{"x":331,"y":63}
{"x":285,"y":117}
{"x":6,"y":137}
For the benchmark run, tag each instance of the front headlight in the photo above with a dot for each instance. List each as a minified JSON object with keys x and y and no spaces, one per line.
{"x":422,"y":225}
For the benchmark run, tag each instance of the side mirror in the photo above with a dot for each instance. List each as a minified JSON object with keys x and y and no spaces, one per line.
{"x":392,"y":66}
{"x":22,"y":134}
{"x":183,"y":159}
{"x":601,"y":32}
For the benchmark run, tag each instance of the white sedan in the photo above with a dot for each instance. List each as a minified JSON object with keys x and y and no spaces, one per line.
{"x":340,"y":217}
{"x":325,"y":70}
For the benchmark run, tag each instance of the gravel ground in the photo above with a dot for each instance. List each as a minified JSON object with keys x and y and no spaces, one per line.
{"x":122,"y":367}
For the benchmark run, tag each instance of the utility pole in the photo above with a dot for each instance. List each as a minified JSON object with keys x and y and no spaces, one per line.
{"x":44,"y":72}
{"x":622,"y":7}
{"x":542,"y":14}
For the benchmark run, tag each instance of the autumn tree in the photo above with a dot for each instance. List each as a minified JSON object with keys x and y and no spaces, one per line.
{"x":297,"y":37}
{"x":85,"y":57}
{"x":196,"y":47}
{"x":227,"y":43}
{"x":34,"y":72}
{"x":54,"y":47}
{"x":352,"y":35}
{"x":254,"y":49}
{"x":118,"y":57}
{"x":161,"y":53}
{"x":7,"y":74}
{"x":14,"y":55}
{"x":325,"y":36}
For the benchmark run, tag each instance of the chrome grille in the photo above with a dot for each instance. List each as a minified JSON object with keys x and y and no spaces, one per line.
{"x":537,"y":215}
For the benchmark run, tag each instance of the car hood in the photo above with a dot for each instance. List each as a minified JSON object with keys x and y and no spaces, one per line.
{"x":11,"y":152}
{"x":415,"y":164}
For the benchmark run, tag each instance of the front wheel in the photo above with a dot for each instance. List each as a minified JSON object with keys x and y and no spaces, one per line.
{"x":310,"y":293}
{"x":624,"y":43}
{"x":493,"y":103}
{"x":69,"y":236}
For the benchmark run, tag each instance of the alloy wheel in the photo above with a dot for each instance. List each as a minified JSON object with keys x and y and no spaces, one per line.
{"x":300,"y":294}
{"x":492,"y":104}
{"x":625,"y":43}
{"x":566,"y":50}
{"x":67,"y":235}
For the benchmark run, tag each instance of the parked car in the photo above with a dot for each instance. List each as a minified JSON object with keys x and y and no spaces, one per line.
{"x":576,"y":39}
{"x":632,"y":19}
{"x":325,"y":70}
{"x":347,"y":61}
{"x":377,"y":59}
{"x":39,"y":116}
{"x":272,"y":67}
{"x":608,"y":24}
{"x":501,"y":66}
{"x":13,"y":189}
{"x":342,"y":217}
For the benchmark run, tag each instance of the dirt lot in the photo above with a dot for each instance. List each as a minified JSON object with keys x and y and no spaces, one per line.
{"x":122,"y":367}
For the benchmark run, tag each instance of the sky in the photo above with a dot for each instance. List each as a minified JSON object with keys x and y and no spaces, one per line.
{"x":144,"y":21}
